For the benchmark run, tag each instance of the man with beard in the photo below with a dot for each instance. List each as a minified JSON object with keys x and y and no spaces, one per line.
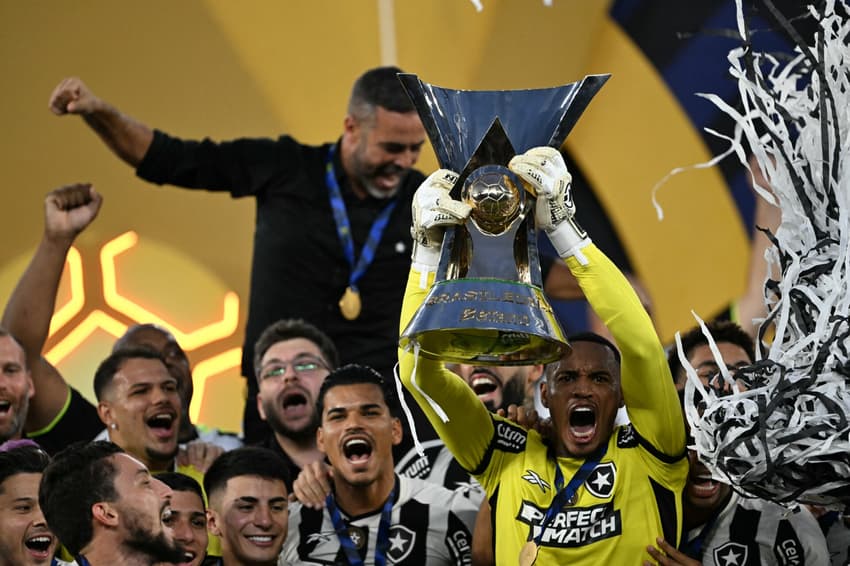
{"x":162,"y":341}
{"x":720,"y":526}
{"x":25,"y":539}
{"x":373,"y":515}
{"x":332,"y":220}
{"x":291,"y":360}
{"x":16,"y":388}
{"x":138,"y":403}
{"x":248,"y":506}
{"x":499,"y":387}
{"x":106,"y":508}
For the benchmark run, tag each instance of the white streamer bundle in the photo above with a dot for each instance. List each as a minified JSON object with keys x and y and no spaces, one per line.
{"x":787,"y":436}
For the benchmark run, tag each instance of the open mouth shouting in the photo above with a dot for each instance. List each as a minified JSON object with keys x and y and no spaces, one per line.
{"x":5,"y":409}
{"x":40,"y":546}
{"x":701,"y":486}
{"x":487,"y":386}
{"x":295,"y":404}
{"x":162,"y":424}
{"x":582,"y":423}
{"x":357,"y":449}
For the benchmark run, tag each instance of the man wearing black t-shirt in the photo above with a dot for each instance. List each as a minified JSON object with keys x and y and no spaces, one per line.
{"x":291,"y":360}
{"x":332,"y":241}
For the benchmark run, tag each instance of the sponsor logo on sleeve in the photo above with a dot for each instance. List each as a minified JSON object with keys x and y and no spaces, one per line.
{"x":626,"y":437}
{"x":509,"y":438}
{"x":413,"y":465}
{"x":788,"y":549}
{"x":460,"y":547}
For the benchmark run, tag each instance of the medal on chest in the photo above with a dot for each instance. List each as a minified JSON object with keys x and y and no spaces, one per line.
{"x":349,"y":304}
{"x":528,"y":554}
{"x":565,"y":495}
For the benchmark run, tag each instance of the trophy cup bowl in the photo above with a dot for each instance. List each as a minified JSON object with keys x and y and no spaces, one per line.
{"x":487,"y":305}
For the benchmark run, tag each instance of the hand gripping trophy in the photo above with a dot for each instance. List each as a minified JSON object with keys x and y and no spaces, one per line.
{"x":487,"y":305}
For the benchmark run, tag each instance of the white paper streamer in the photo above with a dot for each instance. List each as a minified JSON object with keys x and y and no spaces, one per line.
{"x":787,"y":437}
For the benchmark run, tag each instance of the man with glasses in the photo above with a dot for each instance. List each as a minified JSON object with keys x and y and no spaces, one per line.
{"x":291,"y":360}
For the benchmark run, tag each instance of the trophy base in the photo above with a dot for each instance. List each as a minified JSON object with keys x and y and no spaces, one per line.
{"x":486,"y":322}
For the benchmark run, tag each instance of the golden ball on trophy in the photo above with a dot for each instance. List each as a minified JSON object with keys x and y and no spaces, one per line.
{"x":493,"y":194}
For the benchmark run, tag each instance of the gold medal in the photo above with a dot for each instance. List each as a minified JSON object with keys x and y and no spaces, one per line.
{"x":528,"y":554}
{"x":349,"y":304}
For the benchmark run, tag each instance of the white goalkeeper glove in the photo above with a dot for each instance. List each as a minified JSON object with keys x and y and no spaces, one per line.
{"x":544,"y":169}
{"x":433,"y":210}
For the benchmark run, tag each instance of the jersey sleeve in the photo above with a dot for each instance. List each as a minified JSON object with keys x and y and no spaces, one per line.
{"x":800,"y":529}
{"x":241,"y":167}
{"x":460,"y":523}
{"x":648,"y":389}
{"x":77,"y":421}
{"x":468,"y":430}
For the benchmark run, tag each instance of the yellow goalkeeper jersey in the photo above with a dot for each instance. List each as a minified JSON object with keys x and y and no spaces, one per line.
{"x":633,"y":495}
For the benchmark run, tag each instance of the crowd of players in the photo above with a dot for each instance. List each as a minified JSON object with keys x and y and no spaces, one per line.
{"x":326,"y":471}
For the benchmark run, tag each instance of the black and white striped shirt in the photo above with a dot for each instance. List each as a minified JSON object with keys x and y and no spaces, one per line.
{"x":437,"y":465}
{"x":754,"y":532}
{"x":430,"y":525}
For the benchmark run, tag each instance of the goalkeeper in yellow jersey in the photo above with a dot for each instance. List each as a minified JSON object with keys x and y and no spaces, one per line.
{"x":593,"y":493}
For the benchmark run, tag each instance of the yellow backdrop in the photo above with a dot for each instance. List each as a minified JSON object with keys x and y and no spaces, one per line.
{"x":223,"y":69}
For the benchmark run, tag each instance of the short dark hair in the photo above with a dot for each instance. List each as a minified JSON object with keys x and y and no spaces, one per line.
{"x":584,"y":337}
{"x":78,"y":477}
{"x":353,"y":374}
{"x":181,"y":482}
{"x":721,"y":331}
{"x":121,"y":343}
{"x":115,"y":361}
{"x":24,"y":459}
{"x":289,"y":329}
{"x":245,"y":461}
{"x":597,"y":339}
{"x":378,"y":87}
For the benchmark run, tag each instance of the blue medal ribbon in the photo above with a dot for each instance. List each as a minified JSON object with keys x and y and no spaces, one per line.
{"x":348,"y":546}
{"x":693,"y":548}
{"x":343,"y":226}
{"x":565,"y":494}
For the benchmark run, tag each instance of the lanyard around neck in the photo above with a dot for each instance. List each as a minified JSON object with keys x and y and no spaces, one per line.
{"x":381,"y":543}
{"x":565,"y":494}
{"x":343,"y":226}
